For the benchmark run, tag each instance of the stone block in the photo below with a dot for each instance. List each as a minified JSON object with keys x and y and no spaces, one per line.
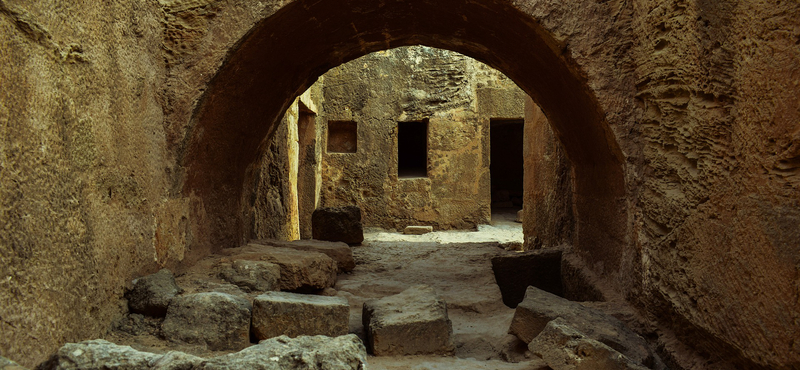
{"x":303,"y":353}
{"x":220,"y":321}
{"x":338,"y":224}
{"x":413,"y":322}
{"x":252,"y":276}
{"x":293,"y":315}
{"x":151,"y":294}
{"x":564,"y":348}
{"x":300,"y":270}
{"x":515,"y":272}
{"x":338,"y":251}
{"x":101,"y":354}
{"x":417,"y":230}
{"x":540,"y":307}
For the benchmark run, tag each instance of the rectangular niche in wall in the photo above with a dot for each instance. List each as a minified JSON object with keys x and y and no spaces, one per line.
{"x":412,"y":149}
{"x":342,"y":137}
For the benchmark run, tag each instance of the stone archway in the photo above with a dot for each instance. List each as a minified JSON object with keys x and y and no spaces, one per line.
{"x":284,"y":54}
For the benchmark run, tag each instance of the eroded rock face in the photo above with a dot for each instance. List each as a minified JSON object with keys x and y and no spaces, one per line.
{"x":338,"y":224}
{"x":413,"y":322}
{"x":220,"y":321}
{"x":152,"y":294}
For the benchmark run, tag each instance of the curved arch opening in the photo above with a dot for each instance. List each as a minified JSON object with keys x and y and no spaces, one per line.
{"x":286,"y":52}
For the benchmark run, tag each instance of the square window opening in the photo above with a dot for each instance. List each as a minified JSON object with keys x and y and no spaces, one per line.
{"x":342,"y":137}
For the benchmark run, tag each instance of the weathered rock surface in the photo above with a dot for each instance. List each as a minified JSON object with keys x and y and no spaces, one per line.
{"x":220,"y":321}
{"x":101,"y":354}
{"x":338,"y":224}
{"x":564,"y":348}
{"x":304,"y":353}
{"x":540,"y":307}
{"x":282,"y":353}
{"x":152,"y":294}
{"x":256,"y":276}
{"x":338,"y":251}
{"x":300,"y":270}
{"x":417,"y":230}
{"x":412,"y":322}
{"x":515,"y":272}
{"x":293,"y":315}
{"x":6,"y":364}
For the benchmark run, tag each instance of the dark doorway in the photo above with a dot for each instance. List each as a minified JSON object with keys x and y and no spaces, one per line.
{"x":412,"y":149}
{"x":506,"y":168}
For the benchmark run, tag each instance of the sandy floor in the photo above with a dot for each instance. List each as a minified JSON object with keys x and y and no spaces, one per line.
{"x":458,"y":266}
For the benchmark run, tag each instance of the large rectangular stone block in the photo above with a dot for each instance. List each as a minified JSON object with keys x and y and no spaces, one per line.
{"x":413,"y":322}
{"x":338,"y":251}
{"x":290,"y":314}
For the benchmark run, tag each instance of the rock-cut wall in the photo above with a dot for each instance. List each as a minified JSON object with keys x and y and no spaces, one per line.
{"x":455,"y":96}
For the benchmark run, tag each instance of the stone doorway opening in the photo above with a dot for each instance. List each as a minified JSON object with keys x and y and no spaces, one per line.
{"x":506,"y":166}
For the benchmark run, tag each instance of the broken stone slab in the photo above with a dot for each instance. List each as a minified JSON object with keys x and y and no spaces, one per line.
{"x":282,"y":353}
{"x":540,"y":307}
{"x":417,"y":230}
{"x":101,"y":354}
{"x":300,"y":270}
{"x":564,"y":348}
{"x":303,"y":353}
{"x":413,"y":322}
{"x":515,"y":271}
{"x":152,"y":294}
{"x":220,"y":321}
{"x":258,"y":276}
{"x":293,"y":315}
{"x":337,"y":224}
{"x":338,"y":251}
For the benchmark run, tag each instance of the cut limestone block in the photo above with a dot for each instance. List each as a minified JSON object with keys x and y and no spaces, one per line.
{"x":151,"y":294}
{"x":338,"y":251}
{"x":515,"y":271}
{"x":540,"y":307}
{"x":417,"y":230}
{"x":220,"y":321}
{"x":564,"y":348}
{"x":338,"y":224}
{"x":300,"y":270}
{"x":290,"y":314}
{"x":303,"y":353}
{"x":252,"y":276}
{"x":413,"y":322}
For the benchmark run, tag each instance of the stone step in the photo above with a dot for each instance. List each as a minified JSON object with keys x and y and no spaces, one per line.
{"x":300,"y":270}
{"x":293,"y":315}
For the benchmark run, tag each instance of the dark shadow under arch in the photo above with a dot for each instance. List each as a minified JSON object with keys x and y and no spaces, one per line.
{"x":286,"y":52}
